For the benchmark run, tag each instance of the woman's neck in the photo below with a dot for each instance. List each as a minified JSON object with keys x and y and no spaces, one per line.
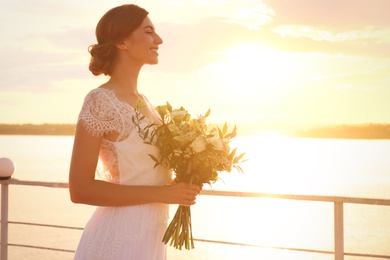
{"x":125,"y":81}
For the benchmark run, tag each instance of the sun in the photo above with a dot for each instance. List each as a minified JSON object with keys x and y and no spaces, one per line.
{"x":253,"y":66}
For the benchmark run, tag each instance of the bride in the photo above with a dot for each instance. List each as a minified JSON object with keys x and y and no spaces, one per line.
{"x":110,"y":166}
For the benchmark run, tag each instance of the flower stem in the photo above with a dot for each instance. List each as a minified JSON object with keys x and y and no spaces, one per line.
{"x":179,"y":231}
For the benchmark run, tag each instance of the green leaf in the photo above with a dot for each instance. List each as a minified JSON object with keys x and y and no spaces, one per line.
{"x":240,"y":156}
{"x":232,"y":154}
{"x":169,"y":107}
{"x":207,"y":113}
{"x":154,"y":158}
{"x":220,"y":133}
{"x":225,"y":128}
{"x":234,"y":130}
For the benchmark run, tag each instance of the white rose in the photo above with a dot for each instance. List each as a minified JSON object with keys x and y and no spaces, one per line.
{"x":178,"y":115}
{"x":199,"y":144}
{"x":216,"y":143}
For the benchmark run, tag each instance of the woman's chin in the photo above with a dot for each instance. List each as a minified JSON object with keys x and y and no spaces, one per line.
{"x":153,"y":62}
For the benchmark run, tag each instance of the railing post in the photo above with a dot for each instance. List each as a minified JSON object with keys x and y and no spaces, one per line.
{"x":7,"y":168}
{"x":4,"y":221}
{"x":339,"y":230}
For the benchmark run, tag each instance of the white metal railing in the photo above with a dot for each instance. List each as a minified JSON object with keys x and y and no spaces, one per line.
{"x":336,"y":200}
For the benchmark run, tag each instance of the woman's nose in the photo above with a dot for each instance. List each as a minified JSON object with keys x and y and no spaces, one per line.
{"x":158,"y":39}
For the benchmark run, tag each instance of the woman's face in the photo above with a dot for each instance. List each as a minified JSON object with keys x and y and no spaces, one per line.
{"x":142,"y":44}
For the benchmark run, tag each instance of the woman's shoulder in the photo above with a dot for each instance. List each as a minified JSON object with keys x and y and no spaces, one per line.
{"x":101,"y":103}
{"x":100,"y":113}
{"x":99,"y":93}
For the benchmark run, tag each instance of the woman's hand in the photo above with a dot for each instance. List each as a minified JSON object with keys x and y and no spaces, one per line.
{"x":181,"y":193}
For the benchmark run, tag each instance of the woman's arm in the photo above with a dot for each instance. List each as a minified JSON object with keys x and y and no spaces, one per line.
{"x":84,"y":188}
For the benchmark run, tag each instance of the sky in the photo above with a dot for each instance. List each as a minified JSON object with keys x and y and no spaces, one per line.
{"x":269,"y":63}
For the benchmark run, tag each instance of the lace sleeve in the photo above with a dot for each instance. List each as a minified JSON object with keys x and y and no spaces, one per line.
{"x":98,"y":114}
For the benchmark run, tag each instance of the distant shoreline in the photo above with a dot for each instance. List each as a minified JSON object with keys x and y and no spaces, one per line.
{"x":361,"y":131}
{"x":37,"y":129}
{"x":358,"y":131}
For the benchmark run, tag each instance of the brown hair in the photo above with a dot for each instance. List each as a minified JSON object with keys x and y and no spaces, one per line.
{"x":115,"y":25}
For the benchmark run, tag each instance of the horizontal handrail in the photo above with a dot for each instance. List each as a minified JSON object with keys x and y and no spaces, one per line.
{"x":36,"y":183}
{"x":43,"y":225}
{"x":337,"y":200}
{"x":323,"y":198}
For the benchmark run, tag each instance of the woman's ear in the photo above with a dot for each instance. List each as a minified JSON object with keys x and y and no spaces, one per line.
{"x":121,"y":46}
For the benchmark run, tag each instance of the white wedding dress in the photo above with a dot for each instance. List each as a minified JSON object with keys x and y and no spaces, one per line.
{"x":131,"y":232}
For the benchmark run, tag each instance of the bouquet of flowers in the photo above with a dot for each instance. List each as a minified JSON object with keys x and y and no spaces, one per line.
{"x":194,"y":152}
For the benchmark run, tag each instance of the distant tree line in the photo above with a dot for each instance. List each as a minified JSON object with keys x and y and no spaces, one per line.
{"x":34,"y":129}
{"x":361,"y":131}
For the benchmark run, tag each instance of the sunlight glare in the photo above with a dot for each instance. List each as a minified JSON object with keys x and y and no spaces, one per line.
{"x":258,"y":68}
